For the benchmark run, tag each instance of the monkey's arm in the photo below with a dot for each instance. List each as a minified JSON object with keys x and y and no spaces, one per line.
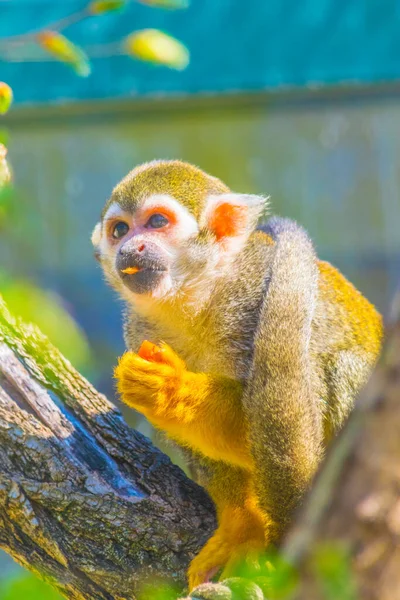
{"x":281,"y":402}
{"x":198,"y":410}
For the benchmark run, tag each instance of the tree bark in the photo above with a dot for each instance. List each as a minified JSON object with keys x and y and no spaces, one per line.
{"x":353,"y":510}
{"x":86,"y":502}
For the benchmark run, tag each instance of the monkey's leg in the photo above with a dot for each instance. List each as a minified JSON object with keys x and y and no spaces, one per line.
{"x":198,"y":410}
{"x":242,"y":527}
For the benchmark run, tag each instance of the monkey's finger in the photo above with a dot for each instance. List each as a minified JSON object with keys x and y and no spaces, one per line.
{"x":132,"y":365}
{"x":160,"y":354}
{"x":169,"y":357}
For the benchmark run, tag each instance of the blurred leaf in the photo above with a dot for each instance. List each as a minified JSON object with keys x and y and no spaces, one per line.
{"x":332,"y":566}
{"x":4,"y":137}
{"x":6,"y":97}
{"x":45,"y":309}
{"x":6,"y":203}
{"x":270,"y":572}
{"x":5,"y":173}
{"x":166,"y":3}
{"x":158,"y":591}
{"x":64,"y":50}
{"x":157,"y":47}
{"x":100,"y":7}
{"x":27,"y":587}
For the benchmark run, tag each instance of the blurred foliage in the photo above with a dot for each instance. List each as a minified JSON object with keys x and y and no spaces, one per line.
{"x":42,"y":307}
{"x":166,"y":3}
{"x":5,"y":172}
{"x":64,"y":50}
{"x":152,"y":45}
{"x":158,"y":591}
{"x":100,"y":7}
{"x":270,"y":572}
{"x":6,"y":198}
{"x":27,"y":587}
{"x":332,"y":566}
{"x":277,"y":579}
{"x":149,"y":45}
{"x":45,"y":309}
{"x":6,"y":97}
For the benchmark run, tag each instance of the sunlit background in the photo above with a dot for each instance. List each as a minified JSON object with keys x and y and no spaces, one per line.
{"x":298,"y":100}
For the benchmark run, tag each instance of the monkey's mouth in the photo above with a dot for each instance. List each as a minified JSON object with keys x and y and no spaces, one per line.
{"x":142,"y":280}
{"x":142,"y":272}
{"x":129,"y":271}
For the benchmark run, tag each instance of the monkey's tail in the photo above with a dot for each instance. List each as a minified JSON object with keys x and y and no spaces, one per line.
{"x":280,"y":403}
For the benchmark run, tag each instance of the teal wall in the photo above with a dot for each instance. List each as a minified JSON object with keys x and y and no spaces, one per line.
{"x":335,"y":167}
{"x":236,"y":45}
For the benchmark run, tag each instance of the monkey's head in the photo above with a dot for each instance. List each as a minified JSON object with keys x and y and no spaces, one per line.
{"x":170,"y":229}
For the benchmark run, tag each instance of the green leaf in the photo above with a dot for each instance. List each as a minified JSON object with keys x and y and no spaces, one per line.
{"x":65,"y":51}
{"x":100,"y":7}
{"x":153,"y":45}
{"x":6,"y":97}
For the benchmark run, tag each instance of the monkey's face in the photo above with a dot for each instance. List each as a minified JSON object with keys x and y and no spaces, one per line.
{"x":139,"y":249}
{"x":156,"y":246}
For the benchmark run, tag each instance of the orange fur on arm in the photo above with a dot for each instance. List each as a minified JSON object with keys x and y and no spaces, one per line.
{"x":199,"y":410}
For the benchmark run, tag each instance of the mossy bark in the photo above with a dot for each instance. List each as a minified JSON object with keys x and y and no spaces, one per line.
{"x":86,"y":502}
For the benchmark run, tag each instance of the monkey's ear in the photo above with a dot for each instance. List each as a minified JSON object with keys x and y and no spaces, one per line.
{"x":233,"y":215}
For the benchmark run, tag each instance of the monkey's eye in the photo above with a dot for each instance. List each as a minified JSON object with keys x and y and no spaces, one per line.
{"x":120,"y":230}
{"x":157,"y":221}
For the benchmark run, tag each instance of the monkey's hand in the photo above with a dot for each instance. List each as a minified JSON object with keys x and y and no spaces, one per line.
{"x":198,"y":410}
{"x":150,"y":382}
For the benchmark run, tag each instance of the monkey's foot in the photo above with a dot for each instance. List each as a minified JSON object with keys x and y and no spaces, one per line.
{"x":209,"y":561}
{"x":219,"y":554}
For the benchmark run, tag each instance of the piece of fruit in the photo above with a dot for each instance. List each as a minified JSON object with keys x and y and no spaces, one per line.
{"x":150,"y":351}
{"x":130,"y":270}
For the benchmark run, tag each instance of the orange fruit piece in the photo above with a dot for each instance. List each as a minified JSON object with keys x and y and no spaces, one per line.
{"x":150,"y":351}
{"x":130,"y":270}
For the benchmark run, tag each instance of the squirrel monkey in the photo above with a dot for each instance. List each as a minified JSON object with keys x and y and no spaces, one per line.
{"x":256,"y":348}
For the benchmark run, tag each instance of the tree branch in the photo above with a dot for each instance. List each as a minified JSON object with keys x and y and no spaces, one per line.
{"x":354,"y":505}
{"x":85,"y":502}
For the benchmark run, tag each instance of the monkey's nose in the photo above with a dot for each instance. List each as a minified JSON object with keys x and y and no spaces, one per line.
{"x":130,"y":249}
